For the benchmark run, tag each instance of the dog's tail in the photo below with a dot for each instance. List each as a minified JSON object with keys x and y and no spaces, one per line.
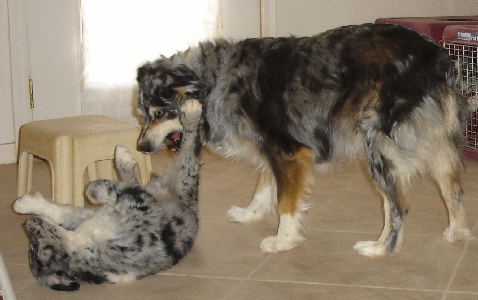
{"x":59,"y":283}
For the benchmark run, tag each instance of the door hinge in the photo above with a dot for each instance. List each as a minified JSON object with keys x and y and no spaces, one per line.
{"x":30,"y":85}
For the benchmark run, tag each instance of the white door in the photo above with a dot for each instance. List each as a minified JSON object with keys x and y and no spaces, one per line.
{"x":7,"y":128}
{"x":54,"y":55}
{"x":38,"y":40}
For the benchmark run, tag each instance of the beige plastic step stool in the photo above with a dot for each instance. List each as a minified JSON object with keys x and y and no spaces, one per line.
{"x":71,"y":145}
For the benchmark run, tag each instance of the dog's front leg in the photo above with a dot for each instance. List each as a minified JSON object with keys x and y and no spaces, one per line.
{"x":264,"y":201}
{"x":293,"y":177}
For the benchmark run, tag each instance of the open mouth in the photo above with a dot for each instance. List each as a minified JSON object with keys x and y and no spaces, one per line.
{"x":173,"y":140}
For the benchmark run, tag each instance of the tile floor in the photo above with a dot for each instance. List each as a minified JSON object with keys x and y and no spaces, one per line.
{"x":226,"y":262}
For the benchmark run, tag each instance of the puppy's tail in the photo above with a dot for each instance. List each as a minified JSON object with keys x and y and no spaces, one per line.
{"x":59,"y":283}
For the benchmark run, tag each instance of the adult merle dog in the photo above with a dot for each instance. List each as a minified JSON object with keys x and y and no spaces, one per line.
{"x":382,"y":92}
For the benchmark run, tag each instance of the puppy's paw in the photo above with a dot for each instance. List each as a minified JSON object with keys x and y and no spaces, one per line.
{"x":244,"y":215}
{"x":457,"y":234}
{"x":28,"y":204}
{"x":191,"y":114}
{"x":280,"y":243}
{"x":123,"y":157}
{"x":118,"y":278}
{"x":101,"y":191}
{"x":370,"y":248}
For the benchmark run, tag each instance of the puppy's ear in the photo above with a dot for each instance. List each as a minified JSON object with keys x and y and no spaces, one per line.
{"x":153,"y":68}
{"x":144,"y":70}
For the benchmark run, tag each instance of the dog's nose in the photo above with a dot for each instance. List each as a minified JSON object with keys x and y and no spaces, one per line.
{"x":145,"y":146}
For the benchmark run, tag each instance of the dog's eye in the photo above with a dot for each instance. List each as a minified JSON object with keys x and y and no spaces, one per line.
{"x":158,"y":113}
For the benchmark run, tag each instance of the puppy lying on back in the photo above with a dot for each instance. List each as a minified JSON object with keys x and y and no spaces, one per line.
{"x":138,"y":231}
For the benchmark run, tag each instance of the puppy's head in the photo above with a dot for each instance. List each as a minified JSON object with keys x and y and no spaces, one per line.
{"x":163,"y":87}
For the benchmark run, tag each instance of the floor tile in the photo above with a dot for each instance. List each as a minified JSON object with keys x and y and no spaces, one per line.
{"x":227,"y":263}
{"x":270,"y":290}
{"x":423,"y":263}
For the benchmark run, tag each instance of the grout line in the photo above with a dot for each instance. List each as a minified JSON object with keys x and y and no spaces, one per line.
{"x":363,"y":286}
{"x":242,"y":280}
{"x":368,"y":232}
{"x":246,"y":278}
{"x":455,"y":271}
{"x":199,"y":276}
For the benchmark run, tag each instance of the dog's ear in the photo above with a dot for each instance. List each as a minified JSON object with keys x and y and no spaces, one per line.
{"x":186,"y":83}
{"x":146,"y":69}
{"x":193,"y":90}
{"x":183,"y":75}
{"x":153,"y":68}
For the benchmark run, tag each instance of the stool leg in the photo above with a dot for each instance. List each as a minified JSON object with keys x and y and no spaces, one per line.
{"x":30,"y":173}
{"x":145,"y":168}
{"x":62,"y":178}
{"x":25,"y":169}
{"x":148,"y":168}
{"x":91,"y":170}
{"x":78,"y":185}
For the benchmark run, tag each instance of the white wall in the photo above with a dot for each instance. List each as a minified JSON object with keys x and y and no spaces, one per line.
{"x":309,"y":17}
{"x":239,"y":19}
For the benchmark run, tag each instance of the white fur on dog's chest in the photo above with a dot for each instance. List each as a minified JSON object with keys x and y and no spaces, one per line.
{"x":101,"y":227}
{"x":97,"y":230}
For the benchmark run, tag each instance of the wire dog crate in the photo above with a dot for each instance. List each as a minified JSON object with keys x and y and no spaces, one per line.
{"x":461,"y":42}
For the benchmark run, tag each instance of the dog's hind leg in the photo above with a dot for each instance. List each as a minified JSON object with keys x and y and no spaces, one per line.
{"x":263,"y":201}
{"x":446,"y":168}
{"x":383,"y":159}
{"x":293,"y":176}
{"x":64,"y":215}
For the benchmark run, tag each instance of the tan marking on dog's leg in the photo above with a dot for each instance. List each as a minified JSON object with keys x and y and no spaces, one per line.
{"x":377,"y":248}
{"x":446,"y":167}
{"x":263,"y":201}
{"x":295,"y":183}
{"x":451,"y":192}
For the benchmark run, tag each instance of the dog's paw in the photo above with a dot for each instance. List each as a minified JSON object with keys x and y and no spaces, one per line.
{"x":457,"y":234}
{"x":59,"y":283}
{"x":244,"y":215}
{"x":101,"y":191}
{"x":28,"y":204}
{"x":123,"y":156}
{"x":280,"y":243}
{"x":191,"y":113}
{"x":371,"y":248}
{"x":118,"y":278}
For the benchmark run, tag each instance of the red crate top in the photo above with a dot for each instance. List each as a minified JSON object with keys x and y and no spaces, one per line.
{"x":461,"y":34}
